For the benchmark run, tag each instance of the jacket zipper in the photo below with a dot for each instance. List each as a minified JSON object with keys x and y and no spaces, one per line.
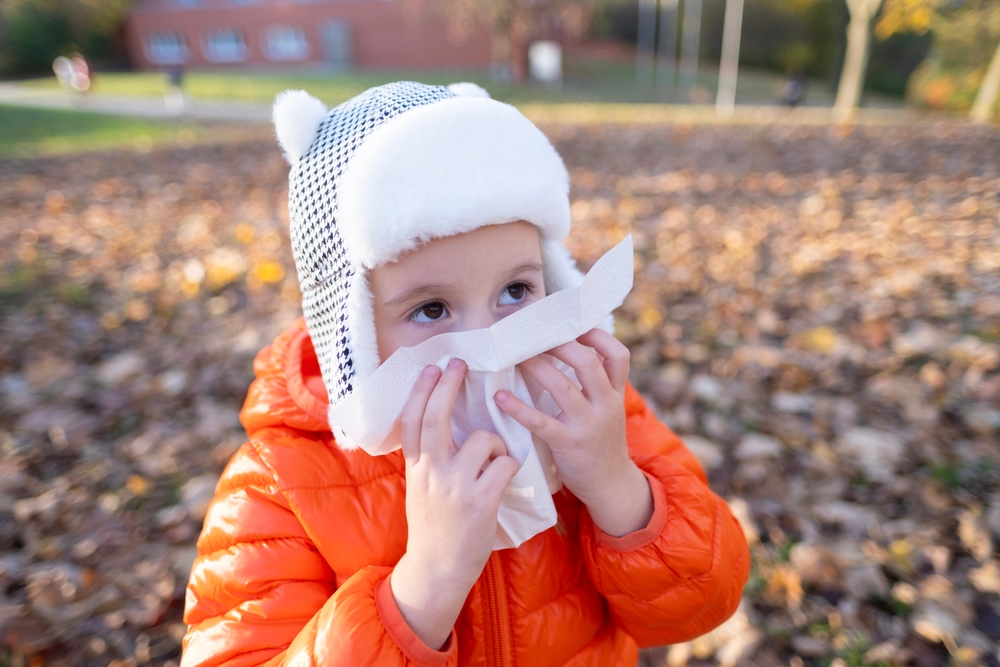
{"x":495,"y":613}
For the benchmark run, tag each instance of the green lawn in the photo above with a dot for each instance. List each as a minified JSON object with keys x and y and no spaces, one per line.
{"x":239,"y":86}
{"x":594,"y":91}
{"x":331,"y":88}
{"x":586,"y":80}
{"x":26,"y":132}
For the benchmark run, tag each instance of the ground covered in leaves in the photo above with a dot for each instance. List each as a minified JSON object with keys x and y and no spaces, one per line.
{"x":816,"y":311}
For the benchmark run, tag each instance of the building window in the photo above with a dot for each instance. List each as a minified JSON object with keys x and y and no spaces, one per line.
{"x":167,"y":47}
{"x":225,"y":45}
{"x":285,"y":42}
{"x":336,"y":42}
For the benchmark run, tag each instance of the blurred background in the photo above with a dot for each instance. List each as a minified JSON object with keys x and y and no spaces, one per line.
{"x":812,"y":188}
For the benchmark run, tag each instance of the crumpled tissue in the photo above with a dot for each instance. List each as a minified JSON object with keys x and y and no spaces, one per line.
{"x":369,"y":416}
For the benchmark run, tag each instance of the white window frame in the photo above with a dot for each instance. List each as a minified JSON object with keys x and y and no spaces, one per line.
{"x":225,"y":45}
{"x":160,"y":52}
{"x":296,"y":45}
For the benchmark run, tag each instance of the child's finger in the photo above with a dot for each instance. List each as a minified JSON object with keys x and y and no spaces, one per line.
{"x":548,"y":429}
{"x":589,"y":367}
{"x":616,"y":355}
{"x":435,"y":427}
{"x":496,"y":477}
{"x":566,"y":394}
{"x":478,"y":450}
{"x":413,"y":413}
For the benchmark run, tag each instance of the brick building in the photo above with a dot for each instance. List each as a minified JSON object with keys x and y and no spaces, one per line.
{"x":332,"y":33}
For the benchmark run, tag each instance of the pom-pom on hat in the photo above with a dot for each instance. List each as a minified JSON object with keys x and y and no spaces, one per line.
{"x":387,"y":171}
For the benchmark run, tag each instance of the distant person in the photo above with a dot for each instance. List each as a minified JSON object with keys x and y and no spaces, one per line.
{"x":63,"y":67}
{"x":794,"y":92}
{"x":175,"y":99}
{"x":426,"y":214}
{"x":83,"y":73}
{"x":74,"y":72}
{"x":176,"y":76}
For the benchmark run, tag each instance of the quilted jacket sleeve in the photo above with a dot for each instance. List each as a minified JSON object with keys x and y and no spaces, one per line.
{"x":260,"y":592}
{"x":683,"y":574}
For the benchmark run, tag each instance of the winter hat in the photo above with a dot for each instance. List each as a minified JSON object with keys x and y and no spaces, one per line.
{"x":390,"y":169}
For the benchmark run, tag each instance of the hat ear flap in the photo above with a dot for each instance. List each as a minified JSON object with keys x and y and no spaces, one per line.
{"x":297,"y":116}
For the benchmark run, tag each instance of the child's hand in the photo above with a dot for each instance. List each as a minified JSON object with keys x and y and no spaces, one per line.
{"x":588,"y":437}
{"x":452,"y":499}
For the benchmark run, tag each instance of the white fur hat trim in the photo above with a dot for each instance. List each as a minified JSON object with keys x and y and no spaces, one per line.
{"x":466,"y":89}
{"x":390,"y":169}
{"x":297,"y":116}
{"x":447,"y":168}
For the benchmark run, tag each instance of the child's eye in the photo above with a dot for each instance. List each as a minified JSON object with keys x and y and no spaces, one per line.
{"x":429,"y":312}
{"x":514,"y":294}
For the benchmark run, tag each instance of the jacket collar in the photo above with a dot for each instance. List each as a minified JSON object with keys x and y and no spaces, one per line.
{"x":301,"y":373}
{"x":280,"y":395}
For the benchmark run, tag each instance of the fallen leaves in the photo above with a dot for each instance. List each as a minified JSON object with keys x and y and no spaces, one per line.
{"x":816,"y":312}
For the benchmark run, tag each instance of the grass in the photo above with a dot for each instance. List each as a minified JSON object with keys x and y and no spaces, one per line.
{"x":27,"y":132}
{"x":589,"y":85}
{"x":594,"y":91}
{"x":237,"y":86}
{"x":586,"y":80}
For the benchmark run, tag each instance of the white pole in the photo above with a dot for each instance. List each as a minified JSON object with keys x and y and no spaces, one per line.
{"x":645,"y":44}
{"x":852,"y":77}
{"x":666,"y":66}
{"x":725,"y":100}
{"x":982,"y":110}
{"x":690,"y":36}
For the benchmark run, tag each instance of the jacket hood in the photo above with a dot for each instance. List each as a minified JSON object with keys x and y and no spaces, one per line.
{"x":288,"y":389}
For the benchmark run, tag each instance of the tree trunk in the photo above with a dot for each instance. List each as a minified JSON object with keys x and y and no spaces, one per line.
{"x":518,"y":59}
{"x":666,"y":64}
{"x":500,"y":69}
{"x":645,"y":44}
{"x":519,"y":35}
{"x":690,"y":36}
{"x":852,"y":77}
{"x":725,"y":97}
{"x":982,"y":110}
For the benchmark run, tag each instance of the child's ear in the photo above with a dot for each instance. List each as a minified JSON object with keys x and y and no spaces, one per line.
{"x":297,"y":116}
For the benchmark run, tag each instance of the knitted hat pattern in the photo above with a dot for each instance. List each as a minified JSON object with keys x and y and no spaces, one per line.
{"x":325,"y":275}
{"x":390,"y":169}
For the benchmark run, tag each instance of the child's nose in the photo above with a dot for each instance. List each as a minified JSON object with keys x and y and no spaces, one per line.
{"x":479,"y":319}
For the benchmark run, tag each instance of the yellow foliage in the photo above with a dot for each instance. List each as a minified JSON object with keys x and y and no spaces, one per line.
{"x":137,"y":485}
{"x":938,"y":93}
{"x":905,"y":16}
{"x":245,"y":233}
{"x":223,"y":266}
{"x":820,"y":339}
{"x":268,"y":271}
{"x":649,"y":319}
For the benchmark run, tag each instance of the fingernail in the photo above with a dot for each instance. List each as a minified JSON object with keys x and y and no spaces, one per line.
{"x":429,"y":371}
{"x":501,"y":397}
{"x":455,"y":363}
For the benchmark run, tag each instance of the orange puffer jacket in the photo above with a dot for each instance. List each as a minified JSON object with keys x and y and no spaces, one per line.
{"x":301,"y":536}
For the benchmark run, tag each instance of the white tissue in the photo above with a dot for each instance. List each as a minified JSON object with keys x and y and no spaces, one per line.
{"x":368,"y":416}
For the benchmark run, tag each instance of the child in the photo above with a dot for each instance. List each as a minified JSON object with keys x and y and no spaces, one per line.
{"x":418,"y":210}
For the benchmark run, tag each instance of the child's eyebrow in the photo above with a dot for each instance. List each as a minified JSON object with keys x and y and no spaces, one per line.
{"x":524,"y":268}
{"x":433,"y":289}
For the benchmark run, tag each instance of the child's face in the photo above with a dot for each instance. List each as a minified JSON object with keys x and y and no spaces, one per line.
{"x":457,"y":283}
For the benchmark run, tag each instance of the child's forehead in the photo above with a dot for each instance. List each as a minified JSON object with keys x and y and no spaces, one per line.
{"x":492,"y":249}
{"x":489,"y":241}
